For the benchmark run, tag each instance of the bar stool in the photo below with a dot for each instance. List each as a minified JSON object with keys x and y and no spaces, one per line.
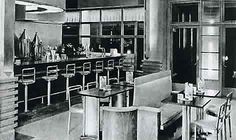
{"x":110,"y":67}
{"x":98,"y":69}
{"x":28,"y":77}
{"x":86,"y":71}
{"x":119,"y":67}
{"x":70,"y":72}
{"x":52,"y":74}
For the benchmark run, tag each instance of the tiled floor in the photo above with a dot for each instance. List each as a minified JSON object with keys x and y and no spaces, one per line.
{"x":54,"y":127}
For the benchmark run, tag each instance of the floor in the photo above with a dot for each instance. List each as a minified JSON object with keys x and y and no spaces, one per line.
{"x":55,"y":127}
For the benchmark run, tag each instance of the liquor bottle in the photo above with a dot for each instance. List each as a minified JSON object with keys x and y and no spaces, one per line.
{"x":24,"y":44}
{"x":36,"y":47}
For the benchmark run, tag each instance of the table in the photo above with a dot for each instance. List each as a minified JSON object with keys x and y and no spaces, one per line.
{"x":198,"y":102}
{"x":120,"y":98}
{"x":91,"y":106}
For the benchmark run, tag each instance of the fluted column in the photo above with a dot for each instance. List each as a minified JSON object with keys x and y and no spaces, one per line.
{"x":7,"y":19}
{"x":156,"y":24}
{"x":156,"y":35}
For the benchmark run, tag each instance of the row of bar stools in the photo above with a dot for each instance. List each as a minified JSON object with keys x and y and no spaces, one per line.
{"x":70,"y":72}
{"x":28,"y":77}
{"x":86,"y":70}
{"x":52,"y":74}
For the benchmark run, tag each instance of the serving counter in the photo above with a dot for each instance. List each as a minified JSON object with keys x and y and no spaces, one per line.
{"x":37,"y":92}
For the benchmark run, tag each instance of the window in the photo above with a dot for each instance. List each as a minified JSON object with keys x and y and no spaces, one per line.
{"x":184,"y":12}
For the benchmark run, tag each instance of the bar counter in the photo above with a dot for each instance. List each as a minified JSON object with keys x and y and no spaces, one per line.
{"x":39,"y":89}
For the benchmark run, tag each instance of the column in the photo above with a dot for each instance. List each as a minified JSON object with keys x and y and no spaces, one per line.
{"x":156,"y":24}
{"x":7,"y":28}
{"x":2,"y":17}
{"x":156,"y":34}
{"x":8,"y":96}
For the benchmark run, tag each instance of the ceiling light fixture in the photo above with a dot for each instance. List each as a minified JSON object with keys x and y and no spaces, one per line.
{"x":37,"y":8}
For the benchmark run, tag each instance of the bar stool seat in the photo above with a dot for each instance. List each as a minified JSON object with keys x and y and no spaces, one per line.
{"x":98,"y":70}
{"x":49,"y":78}
{"x":26,"y":82}
{"x":119,"y":67}
{"x":27,"y":78}
{"x":68,"y":75}
{"x":84,"y":72}
{"x":109,"y":68}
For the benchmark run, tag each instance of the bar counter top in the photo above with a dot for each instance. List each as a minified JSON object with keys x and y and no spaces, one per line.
{"x":25,"y":63}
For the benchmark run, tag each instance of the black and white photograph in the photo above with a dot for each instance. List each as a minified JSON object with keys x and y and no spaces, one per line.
{"x":117,"y":69}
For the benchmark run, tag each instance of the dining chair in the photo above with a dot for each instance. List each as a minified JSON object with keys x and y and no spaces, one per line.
{"x":212,"y":110}
{"x":228,"y":113}
{"x":73,"y":108}
{"x":213,"y":125}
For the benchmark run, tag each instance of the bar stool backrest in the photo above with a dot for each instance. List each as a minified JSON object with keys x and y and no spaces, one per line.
{"x":110,"y":63}
{"x":28,"y":74}
{"x":87,"y":66}
{"x":70,"y":69}
{"x":52,"y":71}
{"x":99,"y":65}
{"x":221,"y":116}
{"x":121,"y":61}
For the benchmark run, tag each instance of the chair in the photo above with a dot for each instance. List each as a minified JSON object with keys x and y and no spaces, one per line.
{"x":228,"y":113}
{"x":52,"y":74}
{"x":86,"y":70}
{"x":70,"y":72}
{"x":27,"y":78}
{"x":130,"y":123}
{"x":109,"y":67}
{"x":76,"y":108}
{"x":212,"y":110}
{"x":119,"y":67}
{"x":213,"y":125}
{"x":98,"y":69}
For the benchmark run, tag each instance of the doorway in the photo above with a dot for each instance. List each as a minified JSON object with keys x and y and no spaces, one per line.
{"x":184,"y":55}
{"x":229,"y":63}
